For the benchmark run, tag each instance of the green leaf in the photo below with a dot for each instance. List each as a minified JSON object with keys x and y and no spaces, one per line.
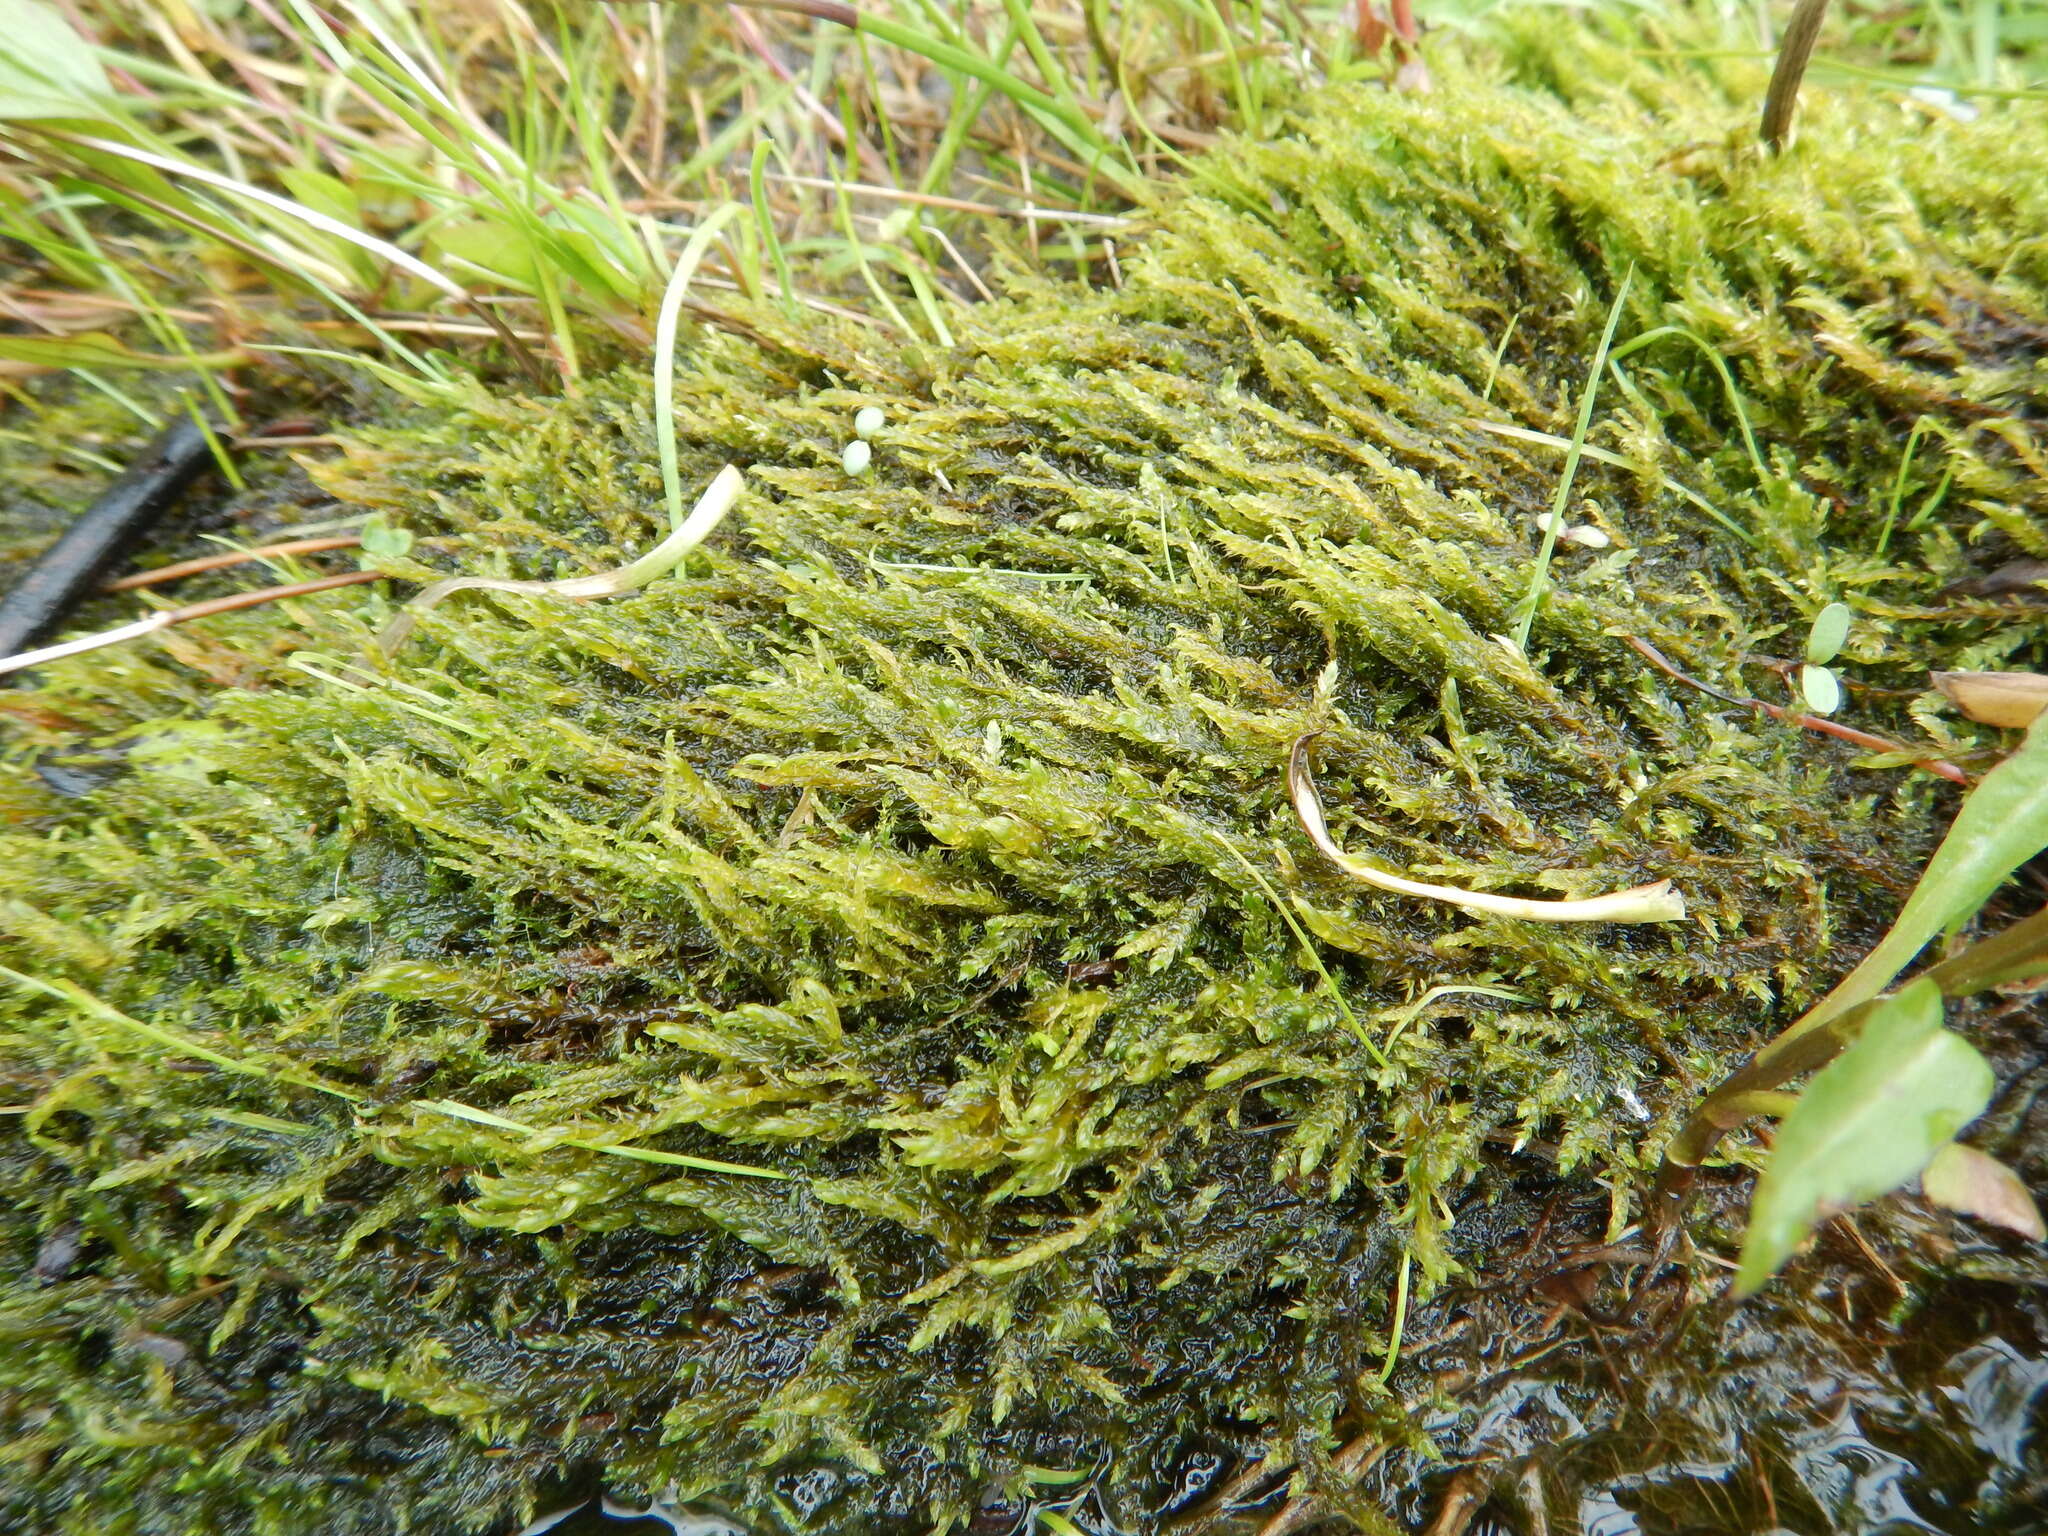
{"x":1830,"y":629}
{"x":2001,"y":825}
{"x":322,"y":193}
{"x":2018,"y":953}
{"x":97,"y":349}
{"x":599,"y":272}
{"x":47,"y":69}
{"x":382,"y":541}
{"x":503,"y":252}
{"x":1868,"y":1122}
{"x":534,"y":1134}
{"x":1821,"y":689}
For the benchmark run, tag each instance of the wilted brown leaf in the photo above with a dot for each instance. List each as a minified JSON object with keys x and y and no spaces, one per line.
{"x":2018,"y":576}
{"x":2010,"y":699}
{"x":1976,"y":1184}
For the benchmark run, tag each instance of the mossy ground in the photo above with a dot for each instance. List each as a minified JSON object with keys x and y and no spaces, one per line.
{"x":929,"y":888}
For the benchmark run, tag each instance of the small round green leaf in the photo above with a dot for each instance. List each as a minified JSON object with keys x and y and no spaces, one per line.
{"x":1830,"y":629}
{"x":1823,"y":693}
{"x":381,"y":540}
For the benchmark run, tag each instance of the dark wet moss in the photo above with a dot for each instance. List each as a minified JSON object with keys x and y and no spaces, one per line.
{"x":816,"y":858}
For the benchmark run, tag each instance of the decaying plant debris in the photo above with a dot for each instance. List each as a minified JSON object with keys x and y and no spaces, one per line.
{"x":926,"y":887}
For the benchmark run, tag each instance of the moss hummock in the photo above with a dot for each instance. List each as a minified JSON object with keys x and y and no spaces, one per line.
{"x":920,"y":843}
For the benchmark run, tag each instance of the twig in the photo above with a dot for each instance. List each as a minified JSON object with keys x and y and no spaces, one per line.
{"x":102,"y":536}
{"x":170,"y":616}
{"x":1797,"y":48}
{"x":1848,"y":1224}
{"x":426,"y":325}
{"x":1461,"y":1502}
{"x":1826,"y":727}
{"x":186,"y":568}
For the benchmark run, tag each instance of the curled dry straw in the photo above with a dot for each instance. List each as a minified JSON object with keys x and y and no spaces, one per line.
{"x":1653,"y":903}
{"x":709,"y":512}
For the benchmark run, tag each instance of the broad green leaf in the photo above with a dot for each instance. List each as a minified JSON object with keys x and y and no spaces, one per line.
{"x":1869,"y":1121}
{"x":46,"y":69}
{"x":503,"y":252}
{"x":2001,"y":825}
{"x":332,"y":198}
{"x":1830,"y":629}
{"x":97,"y":349}
{"x":597,"y":258}
{"x":323,"y":193}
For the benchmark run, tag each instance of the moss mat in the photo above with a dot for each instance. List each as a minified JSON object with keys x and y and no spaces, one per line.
{"x":921,"y":842}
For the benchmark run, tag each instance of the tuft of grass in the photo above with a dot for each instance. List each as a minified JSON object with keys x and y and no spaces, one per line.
{"x":384,"y":160}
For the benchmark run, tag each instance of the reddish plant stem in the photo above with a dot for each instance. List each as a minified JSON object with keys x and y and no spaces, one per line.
{"x":262,"y":595}
{"x":186,"y":568}
{"x":1835,"y":728}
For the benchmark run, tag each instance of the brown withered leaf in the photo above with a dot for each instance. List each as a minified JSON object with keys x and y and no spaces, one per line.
{"x":2010,"y":699}
{"x":1975,"y":1183}
{"x":2018,"y":576}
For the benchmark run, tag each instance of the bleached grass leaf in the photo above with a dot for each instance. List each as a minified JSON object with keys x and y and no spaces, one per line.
{"x":709,"y":512}
{"x":1974,"y":1183}
{"x":1653,"y":903}
{"x":2009,"y":699}
{"x":1869,"y":1121}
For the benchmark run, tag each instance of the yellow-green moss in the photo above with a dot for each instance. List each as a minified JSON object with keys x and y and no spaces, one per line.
{"x":922,"y":887}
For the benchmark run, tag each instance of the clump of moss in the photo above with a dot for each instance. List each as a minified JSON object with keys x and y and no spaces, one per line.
{"x":904,"y":846}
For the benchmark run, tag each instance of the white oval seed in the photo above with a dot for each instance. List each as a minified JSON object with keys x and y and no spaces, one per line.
{"x":867,"y":421}
{"x":857,"y":457}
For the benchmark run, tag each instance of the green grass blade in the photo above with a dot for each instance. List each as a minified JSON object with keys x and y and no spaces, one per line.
{"x":665,"y":353}
{"x":1532,"y":600}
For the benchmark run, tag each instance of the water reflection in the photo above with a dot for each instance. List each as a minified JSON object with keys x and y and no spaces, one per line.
{"x":1997,"y":1395}
{"x":1857,"y":1484}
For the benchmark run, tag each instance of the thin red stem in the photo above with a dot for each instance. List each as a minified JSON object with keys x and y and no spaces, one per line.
{"x":1835,"y":728}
